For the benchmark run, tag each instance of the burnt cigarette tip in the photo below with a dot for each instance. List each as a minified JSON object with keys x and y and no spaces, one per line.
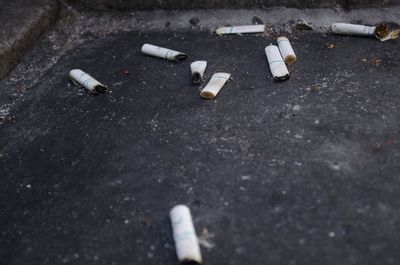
{"x":207,"y":95}
{"x":190,"y":262}
{"x":281,"y":78}
{"x":290,"y":59}
{"x":100,"y":89}
{"x":196,"y":78}
{"x":181,"y":57}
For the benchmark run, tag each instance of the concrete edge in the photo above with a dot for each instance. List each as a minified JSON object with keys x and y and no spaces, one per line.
{"x":37,"y":22}
{"x":225,"y":4}
{"x":277,"y":19}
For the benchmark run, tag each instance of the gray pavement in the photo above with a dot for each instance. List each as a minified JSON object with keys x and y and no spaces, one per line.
{"x":22,"y":22}
{"x":298,"y":172}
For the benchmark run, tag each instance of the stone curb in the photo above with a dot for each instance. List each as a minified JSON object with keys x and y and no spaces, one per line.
{"x":22,"y":23}
{"x":227,"y":4}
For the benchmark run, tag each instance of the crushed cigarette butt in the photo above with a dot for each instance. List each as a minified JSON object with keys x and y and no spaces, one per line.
{"x":197,"y":68}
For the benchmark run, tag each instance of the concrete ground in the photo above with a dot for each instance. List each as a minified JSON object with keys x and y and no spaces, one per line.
{"x":299,"y":172}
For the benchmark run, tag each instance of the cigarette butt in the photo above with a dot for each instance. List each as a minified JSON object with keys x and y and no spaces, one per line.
{"x":186,"y":242}
{"x":79,"y":77}
{"x":276,"y":64}
{"x":240,"y":29}
{"x":286,"y":50}
{"x":197,"y":68}
{"x":213,"y":87}
{"x":164,"y":53}
{"x":352,"y":29}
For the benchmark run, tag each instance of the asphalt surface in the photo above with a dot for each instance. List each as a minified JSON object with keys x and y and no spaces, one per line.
{"x":304,"y":171}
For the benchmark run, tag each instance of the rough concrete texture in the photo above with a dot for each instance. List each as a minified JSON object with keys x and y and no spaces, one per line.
{"x":298,"y":172}
{"x":22,"y":22}
{"x":184,"y":4}
{"x":76,"y":27}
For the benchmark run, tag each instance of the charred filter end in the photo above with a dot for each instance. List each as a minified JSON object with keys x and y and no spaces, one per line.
{"x":382,"y":30}
{"x":196,"y":78}
{"x":190,"y":262}
{"x":100,"y":89}
{"x":181,"y":57}
{"x":197,"y":69}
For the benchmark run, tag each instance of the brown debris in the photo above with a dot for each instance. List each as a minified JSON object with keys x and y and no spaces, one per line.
{"x":330,"y":45}
{"x":20,"y":89}
{"x":382,"y":30}
{"x":374,"y":61}
{"x":303,"y":25}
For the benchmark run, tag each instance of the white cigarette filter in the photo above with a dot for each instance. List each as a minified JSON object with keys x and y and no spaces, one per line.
{"x":353,"y":29}
{"x":85,"y":80}
{"x":197,"y":68}
{"x":286,"y":50}
{"x":240,"y":29}
{"x":186,"y":242}
{"x":276,"y":64}
{"x":164,"y":53}
{"x":213,"y":87}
